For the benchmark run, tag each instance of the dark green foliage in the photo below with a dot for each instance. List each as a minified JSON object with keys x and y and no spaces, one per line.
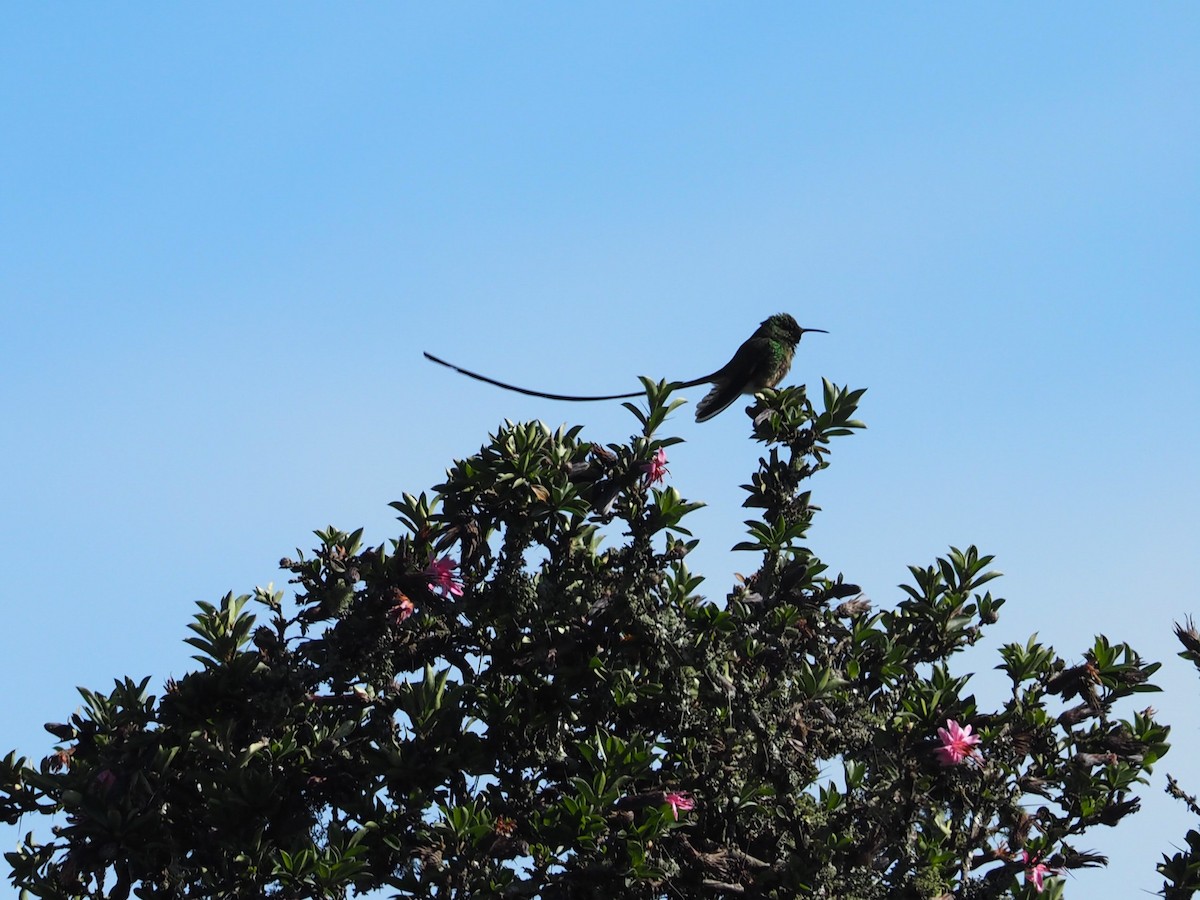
{"x":542,"y":734}
{"x":1181,"y":870}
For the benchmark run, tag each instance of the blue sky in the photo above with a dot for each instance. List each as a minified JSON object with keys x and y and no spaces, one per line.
{"x":229,"y":231}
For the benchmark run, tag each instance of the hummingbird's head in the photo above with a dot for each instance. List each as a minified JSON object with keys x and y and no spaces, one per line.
{"x":784,"y":327}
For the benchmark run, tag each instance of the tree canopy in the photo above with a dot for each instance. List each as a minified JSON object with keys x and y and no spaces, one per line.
{"x":524,"y":695}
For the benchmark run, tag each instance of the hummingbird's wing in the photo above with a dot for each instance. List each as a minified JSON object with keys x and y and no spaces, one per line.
{"x":527,"y":391}
{"x":717,"y":400}
{"x":740,"y":375}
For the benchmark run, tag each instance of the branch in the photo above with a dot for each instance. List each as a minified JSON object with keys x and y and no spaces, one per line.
{"x":1178,"y":793}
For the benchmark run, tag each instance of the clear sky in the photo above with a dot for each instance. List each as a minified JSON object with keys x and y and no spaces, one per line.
{"x":228,"y":230}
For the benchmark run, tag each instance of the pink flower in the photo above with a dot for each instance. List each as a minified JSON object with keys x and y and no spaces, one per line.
{"x":402,"y":610}
{"x":106,"y":779}
{"x":656,"y":468}
{"x":1036,"y":872}
{"x":441,"y":577}
{"x":957,"y":744}
{"x":679,"y":801}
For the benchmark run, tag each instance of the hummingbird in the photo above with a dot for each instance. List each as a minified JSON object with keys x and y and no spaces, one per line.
{"x":760,"y":363}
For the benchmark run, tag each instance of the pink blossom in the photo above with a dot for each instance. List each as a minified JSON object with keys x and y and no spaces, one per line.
{"x":442,"y":578}
{"x":678,"y":801}
{"x":656,"y":468}
{"x":106,"y":779}
{"x":957,"y":744}
{"x":402,"y":610}
{"x":1036,"y":872}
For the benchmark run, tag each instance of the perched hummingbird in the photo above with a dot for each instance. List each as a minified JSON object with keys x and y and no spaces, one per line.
{"x":760,"y":363}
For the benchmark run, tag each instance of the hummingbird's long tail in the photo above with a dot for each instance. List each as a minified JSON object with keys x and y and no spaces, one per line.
{"x":531,"y":393}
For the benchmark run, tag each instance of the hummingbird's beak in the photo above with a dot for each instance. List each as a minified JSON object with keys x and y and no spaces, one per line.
{"x":807,"y":330}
